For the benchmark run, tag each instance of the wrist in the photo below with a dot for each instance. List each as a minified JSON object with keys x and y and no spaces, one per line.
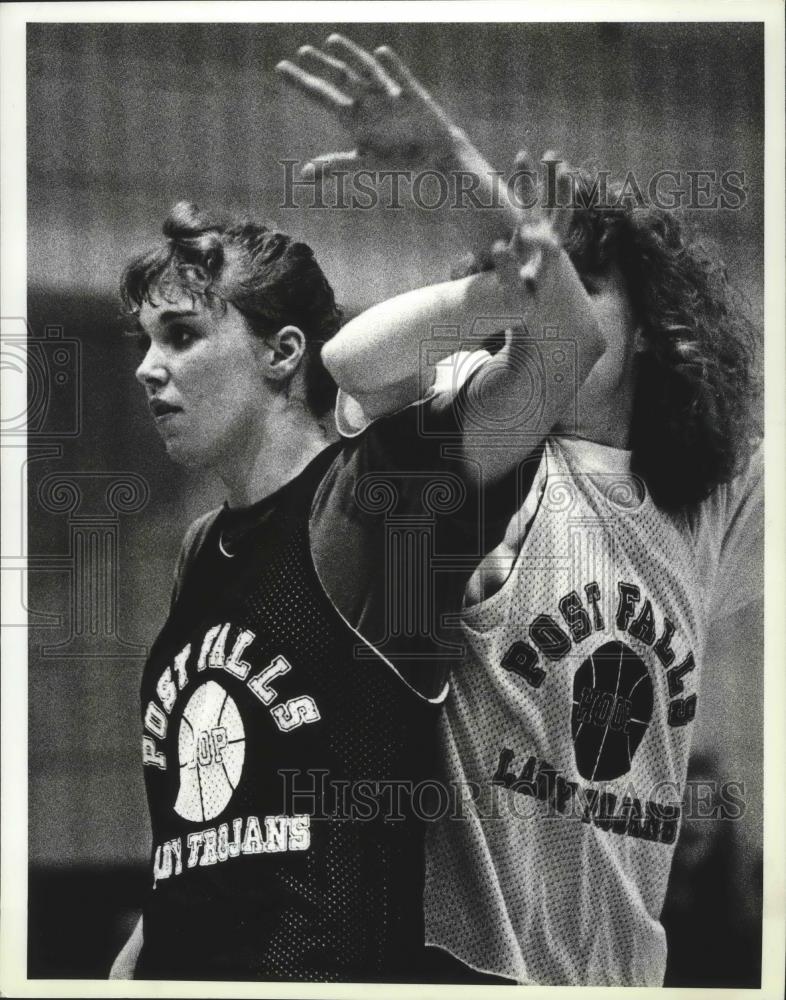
{"x":483,"y":295}
{"x":454,"y":149}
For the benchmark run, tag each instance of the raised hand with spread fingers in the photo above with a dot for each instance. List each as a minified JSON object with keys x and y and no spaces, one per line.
{"x":533,"y":259}
{"x":395,"y":123}
{"x":391,"y":117}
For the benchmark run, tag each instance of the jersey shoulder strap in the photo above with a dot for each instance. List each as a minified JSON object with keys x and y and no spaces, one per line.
{"x":192,"y":544}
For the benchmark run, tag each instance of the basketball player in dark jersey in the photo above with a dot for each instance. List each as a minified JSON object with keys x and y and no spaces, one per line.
{"x":286,"y":721}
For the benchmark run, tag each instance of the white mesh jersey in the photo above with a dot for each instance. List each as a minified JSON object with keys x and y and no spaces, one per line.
{"x":569,"y":724}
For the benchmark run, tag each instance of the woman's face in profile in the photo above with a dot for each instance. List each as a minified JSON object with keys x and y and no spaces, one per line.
{"x":202,"y":374}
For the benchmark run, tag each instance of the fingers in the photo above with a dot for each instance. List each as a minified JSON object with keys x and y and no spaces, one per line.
{"x":506,"y":264}
{"x":408,"y":83}
{"x":330,"y":69}
{"x":364,"y":64}
{"x":526,"y":258}
{"x":397,"y":70}
{"x":343,"y":71}
{"x":320,"y":91}
{"x":562,"y":216}
{"x":532,"y":242}
{"x":330,"y":163}
{"x":552,"y":200}
{"x":523,"y":184}
{"x":523,"y":162}
{"x":560,"y":210}
{"x":529,"y":272}
{"x":513,"y":271}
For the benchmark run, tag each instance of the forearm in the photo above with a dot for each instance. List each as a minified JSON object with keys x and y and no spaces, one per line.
{"x":383,"y":346}
{"x":482,"y":211}
{"x":504,"y":422}
{"x":124,"y":966}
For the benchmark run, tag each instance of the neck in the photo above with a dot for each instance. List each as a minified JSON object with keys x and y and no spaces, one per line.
{"x":276,"y":455}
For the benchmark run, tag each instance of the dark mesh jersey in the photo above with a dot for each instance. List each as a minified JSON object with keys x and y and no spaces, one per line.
{"x":279,"y":768}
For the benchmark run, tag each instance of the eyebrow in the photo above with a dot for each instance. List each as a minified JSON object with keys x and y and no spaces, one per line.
{"x":169,"y":314}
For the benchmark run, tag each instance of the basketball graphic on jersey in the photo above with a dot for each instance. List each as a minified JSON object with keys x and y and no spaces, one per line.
{"x":211,"y":750}
{"x":612,"y":708}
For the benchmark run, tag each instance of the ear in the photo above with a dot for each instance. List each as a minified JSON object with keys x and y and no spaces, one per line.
{"x":639,"y":343}
{"x":286,"y":350}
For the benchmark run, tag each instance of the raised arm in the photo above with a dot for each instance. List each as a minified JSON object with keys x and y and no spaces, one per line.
{"x":395,"y":123}
{"x":375,"y":357}
{"x":534,"y":291}
{"x":530,"y":385}
{"x":535,"y":295}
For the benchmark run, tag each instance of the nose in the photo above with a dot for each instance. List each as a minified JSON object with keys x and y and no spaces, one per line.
{"x":153,"y":370}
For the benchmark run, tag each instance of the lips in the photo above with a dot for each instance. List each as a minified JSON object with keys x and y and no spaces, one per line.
{"x":160,"y":408}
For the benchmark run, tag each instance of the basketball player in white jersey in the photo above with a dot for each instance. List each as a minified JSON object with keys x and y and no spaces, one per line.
{"x":569,"y":727}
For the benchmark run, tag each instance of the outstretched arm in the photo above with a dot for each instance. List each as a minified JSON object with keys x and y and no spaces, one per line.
{"x":535,"y":295}
{"x":379,"y":352}
{"x":521,"y":393}
{"x":395,"y":123}
{"x":376,"y":357}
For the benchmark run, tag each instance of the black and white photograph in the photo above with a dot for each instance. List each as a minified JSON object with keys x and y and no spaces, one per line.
{"x":389,"y":396}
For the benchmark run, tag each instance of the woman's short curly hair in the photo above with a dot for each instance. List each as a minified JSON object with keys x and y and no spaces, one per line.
{"x":271,"y":278}
{"x":695,"y":412}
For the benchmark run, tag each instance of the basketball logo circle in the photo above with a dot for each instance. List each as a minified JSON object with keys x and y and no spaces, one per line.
{"x":211,"y":751}
{"x":612,"y":708}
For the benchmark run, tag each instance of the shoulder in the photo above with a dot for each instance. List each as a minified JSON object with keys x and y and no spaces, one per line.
{"x":740,"y":498}
{"x":198,"y":529}
{"x":603,"y":471}
{"x":728,"y":530}
{"x":193,"y":540}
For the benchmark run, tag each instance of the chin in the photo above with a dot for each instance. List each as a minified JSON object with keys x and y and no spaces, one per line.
{"x":186,"y":457}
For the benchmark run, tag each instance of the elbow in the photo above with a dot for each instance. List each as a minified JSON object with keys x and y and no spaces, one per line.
{"x":331,"y":357}
{"x":357,"y":367}
{"x":336,"y":360}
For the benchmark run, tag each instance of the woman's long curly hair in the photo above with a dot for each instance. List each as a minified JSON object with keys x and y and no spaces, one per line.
{"x":271,"y":278}
{"x":695,"y":410}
